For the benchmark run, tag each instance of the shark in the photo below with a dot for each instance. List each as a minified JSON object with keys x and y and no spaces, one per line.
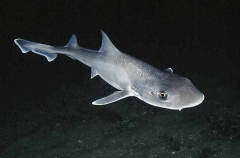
{"x":129,"y":75}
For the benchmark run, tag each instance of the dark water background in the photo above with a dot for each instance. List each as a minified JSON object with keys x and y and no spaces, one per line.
{"x":199,"y":40}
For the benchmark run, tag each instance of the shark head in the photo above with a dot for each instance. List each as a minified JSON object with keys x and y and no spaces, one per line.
{"x":170,"y":92}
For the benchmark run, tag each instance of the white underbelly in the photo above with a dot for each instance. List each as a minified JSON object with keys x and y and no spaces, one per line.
{"x":116,"y":78}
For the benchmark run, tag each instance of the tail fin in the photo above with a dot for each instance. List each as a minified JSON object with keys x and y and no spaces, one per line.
{"x":38,"y":48}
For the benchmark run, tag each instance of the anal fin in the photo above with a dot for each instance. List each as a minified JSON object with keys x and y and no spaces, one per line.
{"x":118,"y":95}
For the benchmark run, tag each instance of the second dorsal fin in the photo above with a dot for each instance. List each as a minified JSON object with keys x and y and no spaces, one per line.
{"x":72,"y":43}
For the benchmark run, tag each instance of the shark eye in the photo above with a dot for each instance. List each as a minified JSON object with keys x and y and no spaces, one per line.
{"x":162,"y":94}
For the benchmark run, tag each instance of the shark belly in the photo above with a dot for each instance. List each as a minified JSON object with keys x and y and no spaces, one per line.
{"x":114,"y":75}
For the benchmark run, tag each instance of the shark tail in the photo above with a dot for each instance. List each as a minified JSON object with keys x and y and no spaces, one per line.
{"x":38,"y":48}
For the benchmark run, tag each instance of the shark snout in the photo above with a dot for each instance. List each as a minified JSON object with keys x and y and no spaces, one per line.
{"x":194,"y":99}
{"x":201,"y":98}
{"x":198,"y":100}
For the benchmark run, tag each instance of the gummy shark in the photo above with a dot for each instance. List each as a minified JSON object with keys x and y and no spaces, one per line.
{"x":131,"y":76}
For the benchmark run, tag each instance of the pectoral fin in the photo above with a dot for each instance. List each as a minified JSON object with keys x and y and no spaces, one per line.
{"x":113,"y":97}
{"x":169,"y":70}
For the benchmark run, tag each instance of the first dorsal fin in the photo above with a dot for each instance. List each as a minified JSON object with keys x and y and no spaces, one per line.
{"x":72,"y":43}
{"x":106,"y":43}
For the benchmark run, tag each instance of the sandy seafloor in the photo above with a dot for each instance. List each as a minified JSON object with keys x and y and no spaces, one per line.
{"x":64,"y":124}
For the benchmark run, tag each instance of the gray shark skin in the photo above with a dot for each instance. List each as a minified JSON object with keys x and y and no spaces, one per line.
{"x":131,"y":76}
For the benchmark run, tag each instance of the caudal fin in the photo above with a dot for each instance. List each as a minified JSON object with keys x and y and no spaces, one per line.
{"x":38,"y":48}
